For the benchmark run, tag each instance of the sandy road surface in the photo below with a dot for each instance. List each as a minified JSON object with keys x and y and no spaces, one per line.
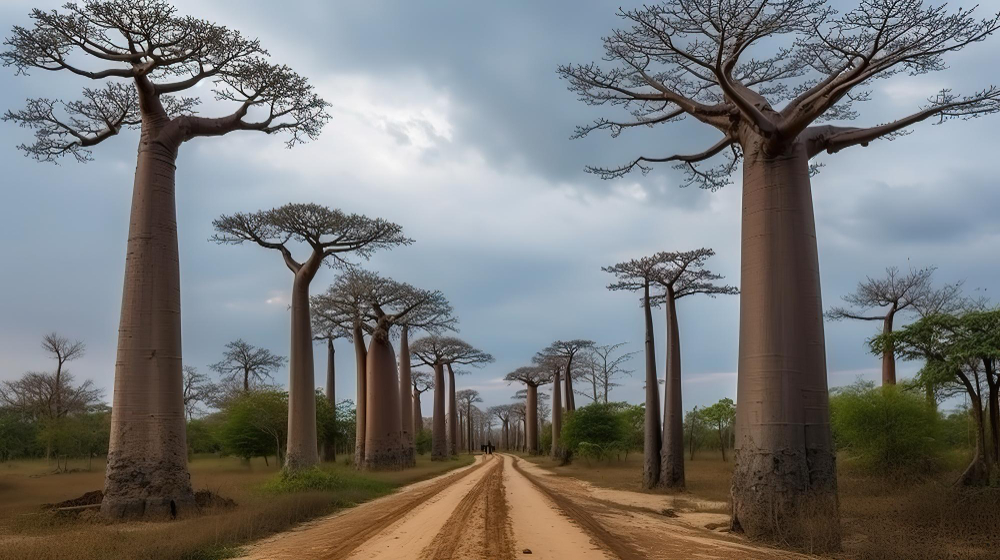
{"x":501,"y":508}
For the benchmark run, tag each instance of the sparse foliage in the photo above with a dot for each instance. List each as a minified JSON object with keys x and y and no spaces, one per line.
{"x":246,"y":363}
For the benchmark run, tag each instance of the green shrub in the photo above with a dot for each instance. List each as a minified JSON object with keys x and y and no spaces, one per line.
{"x":597,"y":424}
{"x":325,"y":480}
{"x":423,"y":442}
{"x":886,"y":430}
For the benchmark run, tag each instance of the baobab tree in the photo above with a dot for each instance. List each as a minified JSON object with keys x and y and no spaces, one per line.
{"x":467,"y":399}
{"x":421,"y":382}
{"x":246,"y":363}
{"x":145,"y":57}
{"x":568,"y":349}
{"x":680,"y":274}
{"x":328,"y":233}
{"x":503,"y":414}
{"x":710,"y":61}
{"x":328,"y":327}
{"x":345,"y":303}
{"x":519,"y":415}
{"x":553,"y":364}
{"x":532,"y":377}
{"x":440,"y":352}
{"x":635,"y":275}
{"x":897,"y":293}
{"x":393,"y":303}
{"x":63,"y":351}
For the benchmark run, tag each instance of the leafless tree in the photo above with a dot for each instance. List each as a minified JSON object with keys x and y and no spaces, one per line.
{"x":327,"y":329}
{"x":198,"y":389}
{"x":35,"y":394}
{"x":568,"y":349}
{"x":328,"y":233}
{"x":467,"y":398}
{"x":63,"y":351}
{"x":532,"y":377}
{"x":440,"y":352}
{"x":422,"y":382}
{"x":503,"y":414}
{"x":730,"y":66}
{"x":610,"y":368}
{"x":680,"y":274}
{"x":553,"y":364}
{"x":144,"y":57}
{"x":245,"y":362}
{"x":586,"y":369}
{"x":635,"y":275}
{"x":894,"y":294}
{"x":392,"y":303}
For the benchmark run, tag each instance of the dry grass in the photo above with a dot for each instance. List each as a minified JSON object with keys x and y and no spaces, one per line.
{"x":882,"y":519}
{"x":25,"y":532}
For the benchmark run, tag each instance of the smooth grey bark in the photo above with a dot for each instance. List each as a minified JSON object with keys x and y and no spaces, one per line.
{"x":531,"y":422}
{"x":785,"y":473}
{"x":406,"y":405}
{"x":672,"y":446}
{"x":360,"y":407}
{"x":383,"y":429}
{"x":330,"y":449}
{"x":439,"y":436}
{"x":147,"y":472}
{"x":301,"y":450}
{"x":651,"y":442}
{"x":556,"y":414}
{"x":418,"y":417}
{"x":570,"y":397}
{"x":452,"y":413}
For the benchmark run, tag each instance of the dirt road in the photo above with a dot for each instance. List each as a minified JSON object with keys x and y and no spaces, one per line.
{"x":504,"y":508}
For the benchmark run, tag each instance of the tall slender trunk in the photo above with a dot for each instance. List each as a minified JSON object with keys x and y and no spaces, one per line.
{"x":722,"y":443}
{"x":556,"y":414}
{"x":570,"y":397}
{"x":383,"y":437}
{"x":452,"y":414}
{"x":888,"y":354}
{"x":694,"y":420}
{"x":147,"y":472}
{"x":468,"y":422}
{"x":531,"y":415}
{"x":406,"y":405}
{"x":59,"y":387}
{"x":785,"y":478}
{"x":439,"y":437}
{"x":418,"y":415}
{"x":651,"y":443}
{"x":361,"y":406}
{"x":330,"y":447}
{"x":593,"y":382}
{"x":978,"y":471}
{"x":506,"y":435}
{"x":672,"y":450}
{"x":301,"y":451}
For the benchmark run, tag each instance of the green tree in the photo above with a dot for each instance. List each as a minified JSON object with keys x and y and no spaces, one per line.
{"x":256,"y":424}
{"x":18,"y":435}
{"x":423,"y":441}
{"x":720,"y":416}
{"x":886,"y":429}
{"x":204,"y":434}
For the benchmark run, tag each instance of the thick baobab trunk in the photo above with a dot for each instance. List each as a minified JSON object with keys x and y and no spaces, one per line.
{"x":506,"y":435}
{"x":651,"y":443}
{"x":785,"y":480}
{"x":556,"y":415}
{"x":439,"y":436}
{"x":570,"y":397}
{"x":468,"y":428}
{"x":672,"y":449}
{"x":301,"y":452}
{"x":452,"y":414}
{"x":361,"y":406}
{"x":406,"y":405}
{"x":383,"y":438}
{"x":531,"y":420}
{"x":330,"y":448}
{"x":147,"y":472}
{"x":888,"y":354}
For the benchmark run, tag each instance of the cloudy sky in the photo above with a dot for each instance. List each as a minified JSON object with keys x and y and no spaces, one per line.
{"x":448,"y":118}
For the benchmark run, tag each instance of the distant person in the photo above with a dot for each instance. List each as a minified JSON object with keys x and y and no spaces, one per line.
{"x":489,"y":447}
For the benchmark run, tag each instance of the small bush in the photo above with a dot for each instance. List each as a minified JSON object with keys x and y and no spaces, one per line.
{"x":319,"y":479}
{"x":423,"y":442}
{"x":886,"y":430}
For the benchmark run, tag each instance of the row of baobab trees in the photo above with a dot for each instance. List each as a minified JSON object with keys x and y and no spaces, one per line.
{"x":771,"y":78}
